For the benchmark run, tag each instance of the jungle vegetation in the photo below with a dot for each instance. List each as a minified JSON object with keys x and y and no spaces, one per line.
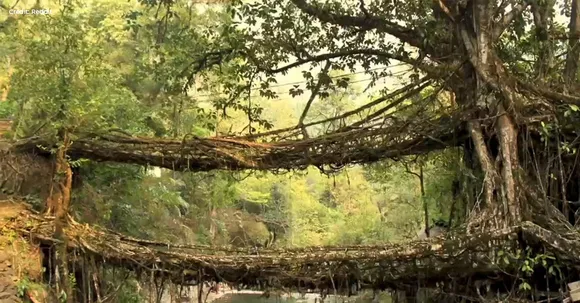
{"x":503,"y":74}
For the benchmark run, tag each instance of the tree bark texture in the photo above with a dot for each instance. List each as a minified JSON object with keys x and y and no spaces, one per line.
{"x":494,"y":100}
{"x":58,"y":204}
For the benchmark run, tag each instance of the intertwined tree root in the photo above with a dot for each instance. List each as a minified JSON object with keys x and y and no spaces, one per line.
{"x":456,"y":256}
{"x":349,"y":146}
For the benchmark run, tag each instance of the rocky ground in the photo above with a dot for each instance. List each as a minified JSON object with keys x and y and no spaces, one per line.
{"x":211,"y":297}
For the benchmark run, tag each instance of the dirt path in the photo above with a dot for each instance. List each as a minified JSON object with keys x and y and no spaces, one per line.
{"x":8,"y":291}
{"x":18,"y":259}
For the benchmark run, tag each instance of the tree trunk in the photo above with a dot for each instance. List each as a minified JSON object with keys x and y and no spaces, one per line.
{"x":571,"y":70}
{"x":488,"y":92}
{"x":508,"y":140}
{"x":58,"y":204}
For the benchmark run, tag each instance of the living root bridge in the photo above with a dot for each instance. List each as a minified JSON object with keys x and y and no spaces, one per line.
{"x":203,"y":154}
{"x":384,"y":266}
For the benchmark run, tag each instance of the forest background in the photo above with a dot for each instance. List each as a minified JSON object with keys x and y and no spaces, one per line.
{"x":120,"y":75}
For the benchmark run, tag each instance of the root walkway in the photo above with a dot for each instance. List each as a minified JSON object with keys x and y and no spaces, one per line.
{"x":203,"y":154}
{"x":385,"y":266}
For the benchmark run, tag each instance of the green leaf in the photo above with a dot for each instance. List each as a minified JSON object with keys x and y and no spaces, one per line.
{"x":525,"y":286}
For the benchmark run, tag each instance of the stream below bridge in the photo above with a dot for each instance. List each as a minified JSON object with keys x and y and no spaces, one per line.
{"x":295,"y":298}
{"x":231,"y":296}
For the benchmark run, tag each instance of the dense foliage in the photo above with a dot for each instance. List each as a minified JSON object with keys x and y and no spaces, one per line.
{"x":181,"y":69}
{"x":124,"y":66}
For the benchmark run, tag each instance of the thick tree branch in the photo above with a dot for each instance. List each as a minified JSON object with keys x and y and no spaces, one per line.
{"x":412,"y":37}
{"x":485,"y":160}
{"x":508,"y":18}
{"x":363,"y":8}
{"x":549,"y":94}
{"x":475,"y":57}
{"x":502,"y":83}
{"x":427,"y":68}
{"x":314,"y":93}
{"x":445,"y":9}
